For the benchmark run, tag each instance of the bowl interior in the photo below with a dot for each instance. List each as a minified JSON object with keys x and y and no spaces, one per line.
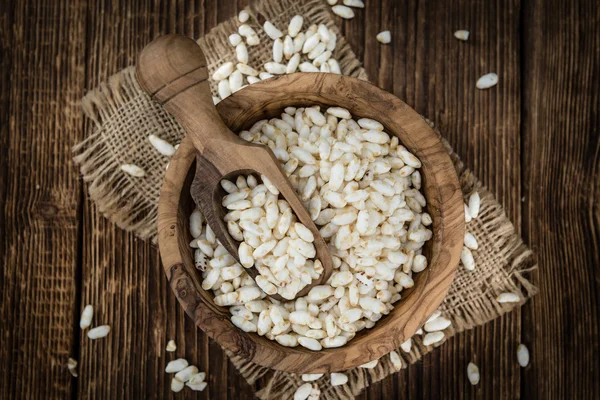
{"x":440,"y":186}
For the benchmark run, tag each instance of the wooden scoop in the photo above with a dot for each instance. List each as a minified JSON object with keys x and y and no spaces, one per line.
{"x":172,"y":70}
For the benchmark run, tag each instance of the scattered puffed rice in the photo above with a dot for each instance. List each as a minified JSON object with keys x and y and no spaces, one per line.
{"x":474,"y":205}
{"x":384,"y":37}
{"x":523,"y":355}
{"x":98,"y":332}
{"x":370,"y":364}
{"x":86,"y":316}
{"x":198,"y":378}
{"x":487,"y":81}
{"x":468,"y":217}
{"x":396,"y":360}
{"x":406,"y":346}
{"x":171,"y":346}
{"x":338,"y":379}
{"x":243,"y":16}
{"x":187,"y":373}
{"x":462,"y":35}
{"x":473,"y":373}
{"x":72,"y":367}
{"x":303,"y":392}
{"x":343,"y":11}
{"x":162,"y":146}
{"x":133,"y":170}
{"x":176,"y":365}
{"x":198,"y":387}
{"x":354,"y":3}
{"x":508,"y":298}
{"x":466,"y":257}
{"x":438,"y":324}
{"x":470,"y":241}
{"x":235,"y":39}
{"x":432,"y":338}
{"x":311,"y":377}
{"x":176,"y":385}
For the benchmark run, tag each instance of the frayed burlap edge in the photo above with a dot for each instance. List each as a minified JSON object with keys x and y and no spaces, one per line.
{"x":471,"y":300}
{"x":120,"y":107}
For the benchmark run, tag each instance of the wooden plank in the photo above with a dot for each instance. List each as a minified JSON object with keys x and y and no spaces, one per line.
{"x":7,"y":275}
{"x":122,"y":276}
{"x":561,"y":131}
{"x":41,"y":199}
{"x":483,"y":127}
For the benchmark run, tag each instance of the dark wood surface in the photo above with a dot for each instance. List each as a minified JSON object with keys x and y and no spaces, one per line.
{"x":534,"y":140}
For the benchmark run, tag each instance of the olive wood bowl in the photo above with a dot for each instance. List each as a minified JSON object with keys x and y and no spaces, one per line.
{"x":440,"y":185}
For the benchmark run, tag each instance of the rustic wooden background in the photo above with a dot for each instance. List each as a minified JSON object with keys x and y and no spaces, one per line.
{"x":534,"y":140}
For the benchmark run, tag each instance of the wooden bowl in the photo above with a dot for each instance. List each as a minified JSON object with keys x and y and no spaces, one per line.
{"x":441,"y":189}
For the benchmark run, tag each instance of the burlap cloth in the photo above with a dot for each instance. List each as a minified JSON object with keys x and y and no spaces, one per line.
{"x":124,"y":117}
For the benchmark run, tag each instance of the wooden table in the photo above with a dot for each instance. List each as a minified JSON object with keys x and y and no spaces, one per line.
{"x":534,"y":140}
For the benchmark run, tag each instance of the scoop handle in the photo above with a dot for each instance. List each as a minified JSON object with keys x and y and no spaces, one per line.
{"x":173,"y":71}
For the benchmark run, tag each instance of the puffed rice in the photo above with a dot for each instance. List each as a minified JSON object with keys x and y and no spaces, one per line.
{"x":243,"y":16}
{"x":338,"y":379}
{"x":343,"y":11}
{"x":396,"y":360}
{"x":354,"y":3}
{"x":98,"y":332}
{"x":133,"y":170}
{"x":311,"y":377}
{"x":523,"y":355}
{"x":176,"y":365}
{"x":86,"y":317}
{"x":72,"y":367}
{"x":508,"y":298}
{"x":432,"y":338}
{"x":162,"y":146}
{"x":473,"y":373}
{"x":272,"y":31}
{"x":303,"y":391}
{"x":171,"y":346}
{"x":462,"y":35}
{"x":384,"y":37}
{"x":487,"y":81}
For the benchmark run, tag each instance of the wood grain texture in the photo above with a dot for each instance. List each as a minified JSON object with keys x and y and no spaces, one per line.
{"x":561,"y":128}
{"x":535,"y":136}
{"x":45,"y":51}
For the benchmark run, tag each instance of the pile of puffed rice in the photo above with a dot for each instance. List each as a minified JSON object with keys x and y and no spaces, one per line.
{"x":362,"y":189}
{"x":307,"y":50}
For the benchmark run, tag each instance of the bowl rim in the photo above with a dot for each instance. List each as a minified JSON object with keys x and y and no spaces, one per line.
{"x":445,"y":200}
